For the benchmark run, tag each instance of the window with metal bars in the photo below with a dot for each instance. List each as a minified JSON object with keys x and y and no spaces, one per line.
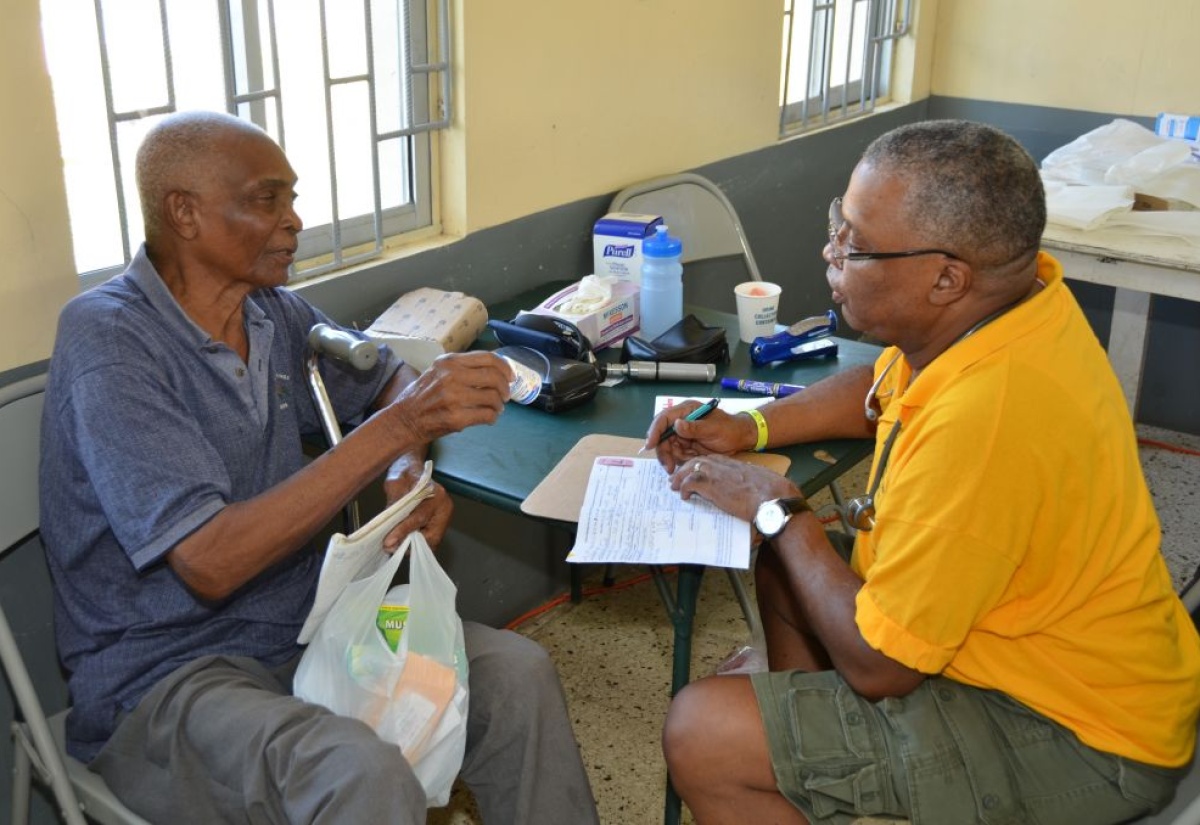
{"x":836,"y":59}
{"x":351,"y":90}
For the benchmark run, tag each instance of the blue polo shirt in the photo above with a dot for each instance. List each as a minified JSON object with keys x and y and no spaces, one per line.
{"x":150,"y":428}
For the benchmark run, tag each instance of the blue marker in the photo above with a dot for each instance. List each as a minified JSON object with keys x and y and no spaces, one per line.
{"x":760,"y":387}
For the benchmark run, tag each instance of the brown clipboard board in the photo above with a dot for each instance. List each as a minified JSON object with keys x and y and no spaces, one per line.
{"x":561,"y":493}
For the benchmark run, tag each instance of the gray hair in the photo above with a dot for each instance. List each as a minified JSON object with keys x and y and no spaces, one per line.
{"x":176,"y":154}
{"x":970,"y":188}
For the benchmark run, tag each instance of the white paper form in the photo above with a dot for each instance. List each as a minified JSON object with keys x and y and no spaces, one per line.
{"x":729,"y":405}
{"x":631,"y":515}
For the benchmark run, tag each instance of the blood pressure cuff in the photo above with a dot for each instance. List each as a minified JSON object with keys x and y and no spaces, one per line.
{"x":690,"y":341}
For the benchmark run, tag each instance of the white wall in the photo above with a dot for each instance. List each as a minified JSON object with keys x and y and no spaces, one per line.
{"x":561,"y":101}
{"x":1089,"y":55}
{"x":36,"y":269}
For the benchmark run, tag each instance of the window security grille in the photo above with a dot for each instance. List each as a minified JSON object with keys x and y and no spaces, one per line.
{"x":836,"y":59}
{"x":351,"y":90}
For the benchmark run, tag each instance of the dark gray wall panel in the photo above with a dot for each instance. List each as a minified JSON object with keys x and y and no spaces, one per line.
{"x":1040,"y":129}
{"x":492,"y":264}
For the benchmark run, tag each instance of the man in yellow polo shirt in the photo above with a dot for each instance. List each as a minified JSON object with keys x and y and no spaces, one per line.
{"x":1004,"y":644}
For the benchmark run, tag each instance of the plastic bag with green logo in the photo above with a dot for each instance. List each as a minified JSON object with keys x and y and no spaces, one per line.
{"x":414,"y":696}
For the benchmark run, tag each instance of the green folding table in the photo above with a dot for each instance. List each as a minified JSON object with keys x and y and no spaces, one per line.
{"x":500,"y":465}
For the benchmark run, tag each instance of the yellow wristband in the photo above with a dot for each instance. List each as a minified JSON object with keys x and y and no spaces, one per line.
{"x":761,"y":424}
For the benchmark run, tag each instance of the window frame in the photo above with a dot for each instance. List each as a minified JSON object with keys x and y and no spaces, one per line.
{"x":255,"y":90}
{"x":831,"y":99}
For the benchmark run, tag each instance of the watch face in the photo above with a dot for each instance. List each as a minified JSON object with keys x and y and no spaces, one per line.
{"x":770,"y":518}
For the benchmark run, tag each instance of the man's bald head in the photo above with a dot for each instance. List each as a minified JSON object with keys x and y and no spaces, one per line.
{"x":178,"y":154}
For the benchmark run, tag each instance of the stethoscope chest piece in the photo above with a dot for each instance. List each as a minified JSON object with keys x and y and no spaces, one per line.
{"x":860,"y":510}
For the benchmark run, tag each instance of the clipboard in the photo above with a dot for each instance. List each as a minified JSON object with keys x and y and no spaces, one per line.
{"x":560,"y":494}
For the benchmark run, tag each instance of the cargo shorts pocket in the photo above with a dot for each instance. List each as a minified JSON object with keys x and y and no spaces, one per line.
{"x":837,"y":760}
{"x":945,"y":785}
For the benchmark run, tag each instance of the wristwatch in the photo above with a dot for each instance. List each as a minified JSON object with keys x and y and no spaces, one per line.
{"x":773,"y":516}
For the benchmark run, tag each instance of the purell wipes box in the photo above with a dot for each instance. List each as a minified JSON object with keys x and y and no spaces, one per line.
{"x":603,"y":307}
{"x":617,"y":244}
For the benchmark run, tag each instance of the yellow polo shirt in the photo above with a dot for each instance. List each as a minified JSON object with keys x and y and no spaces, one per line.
{"x":1016,"y":546}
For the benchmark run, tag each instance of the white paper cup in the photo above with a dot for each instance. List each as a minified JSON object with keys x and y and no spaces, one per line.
{"x":757,"y":308}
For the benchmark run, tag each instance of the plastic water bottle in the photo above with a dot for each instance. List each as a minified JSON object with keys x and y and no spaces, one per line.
{"x":526,"y":384}
{"x":662,"y":283}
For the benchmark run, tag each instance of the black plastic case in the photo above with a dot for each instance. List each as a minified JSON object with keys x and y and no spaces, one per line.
{"x":689,"y":341}
{"x":565,"y":383}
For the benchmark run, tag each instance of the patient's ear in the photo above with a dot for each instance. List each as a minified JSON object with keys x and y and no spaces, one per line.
{"x":180,"y":213}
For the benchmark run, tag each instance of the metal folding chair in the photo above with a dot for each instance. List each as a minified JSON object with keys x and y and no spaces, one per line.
{"x":699,"y":214}
{"x":38,"y":740}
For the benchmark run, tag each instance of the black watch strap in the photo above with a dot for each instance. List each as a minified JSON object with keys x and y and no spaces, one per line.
{"x":795,"y":504}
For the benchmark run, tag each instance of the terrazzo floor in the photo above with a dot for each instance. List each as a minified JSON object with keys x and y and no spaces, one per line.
{"x":613,"y":649}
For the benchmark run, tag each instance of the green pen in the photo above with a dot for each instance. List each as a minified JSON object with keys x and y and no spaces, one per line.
{"x":695,"y":415}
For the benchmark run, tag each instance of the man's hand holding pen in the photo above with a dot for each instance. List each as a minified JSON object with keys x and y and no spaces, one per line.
{"x":715,"y":432}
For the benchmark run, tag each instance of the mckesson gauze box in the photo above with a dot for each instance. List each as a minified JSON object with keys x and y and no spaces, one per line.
{"x":617,"y":244}
{"x":604,"y":308}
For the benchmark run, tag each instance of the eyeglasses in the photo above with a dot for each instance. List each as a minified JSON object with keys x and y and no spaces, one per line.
{"x":836,"y":222}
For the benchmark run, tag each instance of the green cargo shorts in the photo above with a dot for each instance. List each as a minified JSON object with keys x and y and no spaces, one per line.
{"x":946,"y":754}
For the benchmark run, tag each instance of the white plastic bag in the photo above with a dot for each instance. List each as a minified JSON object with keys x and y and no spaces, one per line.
{"x":1122,"y":153}
{"x":1087,"y":159}
{"x":1085,"y":207}
{"x":415,"y":697}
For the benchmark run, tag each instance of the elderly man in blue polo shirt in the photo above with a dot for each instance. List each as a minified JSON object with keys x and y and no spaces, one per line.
{"x":178,"y":511}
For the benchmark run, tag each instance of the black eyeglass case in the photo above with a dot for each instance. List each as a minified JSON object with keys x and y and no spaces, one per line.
{"x":690,"y":341}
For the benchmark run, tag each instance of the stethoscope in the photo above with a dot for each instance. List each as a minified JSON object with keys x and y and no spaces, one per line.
{"x":860,"y":510}
{"x":869,"y":402}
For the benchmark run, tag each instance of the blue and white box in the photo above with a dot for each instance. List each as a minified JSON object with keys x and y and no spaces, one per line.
{"x":617,"y":244}
{"x":1180,"y":127}
{"x":1184,"y":127}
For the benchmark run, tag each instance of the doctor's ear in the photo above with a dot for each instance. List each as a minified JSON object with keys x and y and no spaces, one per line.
{"x":953,"y":281}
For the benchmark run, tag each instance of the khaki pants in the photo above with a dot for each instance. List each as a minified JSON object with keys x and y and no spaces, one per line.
{"x":223,"y":740}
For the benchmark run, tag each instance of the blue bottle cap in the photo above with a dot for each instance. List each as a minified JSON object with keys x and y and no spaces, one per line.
{"x":661,"y":245}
